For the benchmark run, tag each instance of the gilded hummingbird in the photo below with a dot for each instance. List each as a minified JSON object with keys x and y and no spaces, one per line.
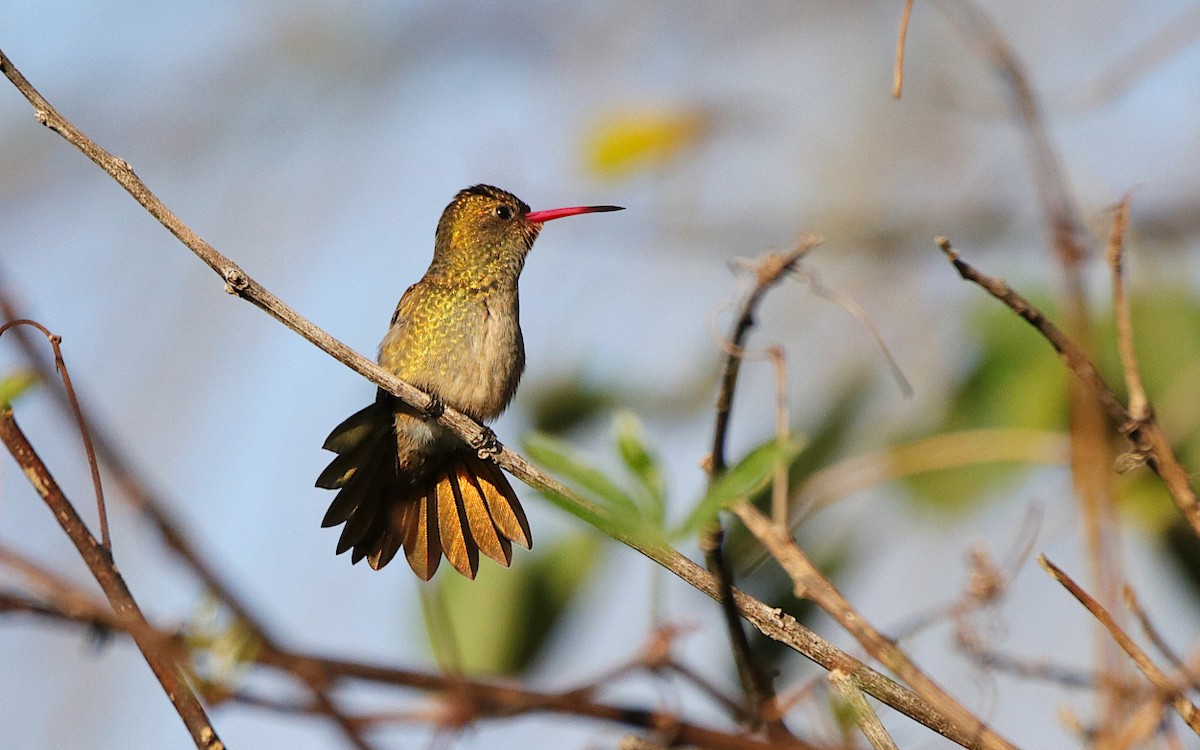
{"x":403,"y":480}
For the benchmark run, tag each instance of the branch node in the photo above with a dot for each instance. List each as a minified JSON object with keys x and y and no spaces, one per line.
{"x":1130,"y":460}
{"x":236,"y":280}
{"x":43,"y":116}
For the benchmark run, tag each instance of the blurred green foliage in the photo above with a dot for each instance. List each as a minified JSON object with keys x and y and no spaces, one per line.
{"x":14,"y":384}
{"x":502,"y":621}
{"x":1018,"y":381}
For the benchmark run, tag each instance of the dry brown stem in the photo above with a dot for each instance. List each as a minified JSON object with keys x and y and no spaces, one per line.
{"x":901,"y":39}
{"x":1139,"y":405}
{"x":155,"y":509}
{"x":465,"y":699}
{"x":864,"y":716}
{"x":18,"y":325}
{"x":1163,"y":684}
{"x":1090,"y":442}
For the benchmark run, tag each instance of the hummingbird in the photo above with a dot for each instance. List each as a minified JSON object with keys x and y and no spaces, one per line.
{"x":403,"y":480}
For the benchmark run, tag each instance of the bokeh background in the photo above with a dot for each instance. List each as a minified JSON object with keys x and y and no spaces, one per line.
{"x":316,"y":144}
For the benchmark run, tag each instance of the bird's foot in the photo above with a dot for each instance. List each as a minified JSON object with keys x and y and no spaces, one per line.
{"x":435,"y":408}
{"x":485,"y":443}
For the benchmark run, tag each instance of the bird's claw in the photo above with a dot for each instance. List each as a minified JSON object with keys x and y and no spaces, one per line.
{"x":485,"y":443}
{"x":435,"y":408}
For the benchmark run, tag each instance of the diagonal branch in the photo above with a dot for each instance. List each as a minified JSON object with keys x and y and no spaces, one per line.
{"x":810,"y":583}
{"x":155,"y":509}
{"x":467,"y":699}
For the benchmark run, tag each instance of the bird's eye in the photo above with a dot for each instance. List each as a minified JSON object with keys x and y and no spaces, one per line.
{"x":504,"y":213}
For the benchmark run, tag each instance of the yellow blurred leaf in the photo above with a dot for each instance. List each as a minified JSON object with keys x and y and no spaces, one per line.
{"x":628,"y":141}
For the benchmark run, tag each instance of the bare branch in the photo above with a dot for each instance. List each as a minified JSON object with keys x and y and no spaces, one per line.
{"x":60,"y":366}
{"x":901,"y":38}
{"x":1139,"y":405}
{"x":769,"y":270}
{"x":154,"y":509}
{"x":465,"y":699}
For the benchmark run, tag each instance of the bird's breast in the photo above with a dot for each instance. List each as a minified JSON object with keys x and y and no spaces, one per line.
{"x":468,"y":350}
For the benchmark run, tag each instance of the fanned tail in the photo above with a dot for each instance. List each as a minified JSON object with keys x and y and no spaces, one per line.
{"x":457,"y":505}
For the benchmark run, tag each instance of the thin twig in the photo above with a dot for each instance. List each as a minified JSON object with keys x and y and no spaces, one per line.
{"x":60,"y":366}
{"x":1091,"y":476}
{"x":901,"y":39}
{"x":1184,"y":707}
{"x":768,"y":271}
{"x":1054,"y":198}
{"x":850,"y":305}
{"x":99,"y":562}
{"x":1139,"y":405}
{"x":810,"y":583}
{"x":864,"y":716}
{"x":779,"y":483}
{"x":1030,"y":669}
{"x":770,"y":621}
{"x":471,"y":700}
{"x":1152,"y":632}
{"x":1147,"y":436}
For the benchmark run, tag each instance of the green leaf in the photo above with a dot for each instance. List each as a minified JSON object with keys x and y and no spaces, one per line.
{"x":750,"y":475}
{"x":560,"y":458}
{"x":605,"y":505}
{"x":16,"y":383}
{"x":825,"y":443}
{"x":643,"y":464}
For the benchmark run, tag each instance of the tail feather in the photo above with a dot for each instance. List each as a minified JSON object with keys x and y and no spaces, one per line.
{"x":502,"y":502}
{"x":389,"y":544}
{"x":457,"y":541}
{"x":456,"y":505}
{"x":360,"y":487}
{"x":422,"y":544}
{"x":471,"y":498}
{"x":356,"y":427}
{"x":341,"y":469}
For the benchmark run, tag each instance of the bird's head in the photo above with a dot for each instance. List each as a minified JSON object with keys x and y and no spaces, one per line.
{"x":486,"y":232}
